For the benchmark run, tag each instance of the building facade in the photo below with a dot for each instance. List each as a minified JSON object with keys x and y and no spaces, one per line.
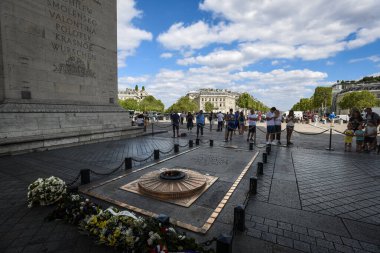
{"x":341,"y":89}
{"x":222,"y":99}
{"x":132,"y":94}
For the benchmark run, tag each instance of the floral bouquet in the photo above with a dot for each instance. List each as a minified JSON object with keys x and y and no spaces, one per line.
{"x":46,"y":191}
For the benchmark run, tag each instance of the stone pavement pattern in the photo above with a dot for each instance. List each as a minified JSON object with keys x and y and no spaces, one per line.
{"x":272,"y":218}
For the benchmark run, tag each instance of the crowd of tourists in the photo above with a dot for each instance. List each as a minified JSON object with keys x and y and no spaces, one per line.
{"x":364,"y":130}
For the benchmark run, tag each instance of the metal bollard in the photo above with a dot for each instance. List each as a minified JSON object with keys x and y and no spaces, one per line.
{"x":224,"y":244}
{"x":197,"y":142}
{"x":265,"y":158}
{"x":239,"y":218}
{"x":260,"y":168}
{"x":253,"y":185}
{"x":163,"y":219}
{"x":270,"y":147}
{"x":251,"y":146}
{"x":211,"y":143}
{"x":85,"y":176}
{"x":128,"y":163}
{"x":176,"y":148}
{"x":191,"y":143}
{"x":156,"y":154}
{"x":267,"y":149}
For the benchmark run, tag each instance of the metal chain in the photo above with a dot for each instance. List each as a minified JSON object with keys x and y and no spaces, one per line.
{"x":108,"y":173}
{"x":167,"y":152}
{"x":142,"y":160}
{"x":312,"y":133}
{"x":74,"y":181}
{"x":183,"y":146}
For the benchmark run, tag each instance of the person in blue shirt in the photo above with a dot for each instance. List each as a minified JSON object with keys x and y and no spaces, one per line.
{"x":332,"y":117}
{"x":200,"y":120}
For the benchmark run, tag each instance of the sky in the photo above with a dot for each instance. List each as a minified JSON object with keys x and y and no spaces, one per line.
{"x":276,"y":50}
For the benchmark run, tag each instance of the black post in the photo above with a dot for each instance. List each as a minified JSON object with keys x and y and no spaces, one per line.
{"x":128,"y":163}
{"x":176,"y":148}
{"x":197,"y":141}
{"x":156,"y":153}
{"x":191,"y":143}
{"x":253,"y":185}
{"x":265,"y":158}
{"x":85,"y":176}
{"x":330,"y":148}
{"x":270,"y":147}
{"x":152,"y":129}
{"x":239,"y":218}
{"x":211,"y":143}
{"x":224,"y":244}
{"x":251,"y":146}
{"x":267,"y":149}
{"x":260,"y":168}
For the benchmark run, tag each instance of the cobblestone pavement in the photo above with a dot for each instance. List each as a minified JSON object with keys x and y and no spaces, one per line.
{"x":308,"y":199}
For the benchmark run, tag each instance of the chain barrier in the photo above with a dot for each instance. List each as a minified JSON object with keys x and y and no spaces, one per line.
{"x":108,"y":173}
{"x":209,"y":242}
{"x":311,"y":133}
{"x":74,"y":181}
{"x":167,"y":152}
{"x":142,"y":160}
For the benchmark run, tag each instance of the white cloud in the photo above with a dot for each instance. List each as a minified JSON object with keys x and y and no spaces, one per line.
{"x":128,"y":36}
{"x":279,"y":87}
{"x":373,"y":58}
{"x":330,"y":63}
{"x":166,"y":55}
{"x":276,"y":30}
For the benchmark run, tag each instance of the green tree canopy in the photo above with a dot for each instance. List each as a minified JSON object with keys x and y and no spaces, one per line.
{"x":183,"y":104}
{"x":129,"y":104}
{"x":322,"y":97}
{"x":136,"y":87}
{"x":143,"y":88}
{"x":150,"y":103}
{"x":358,"y":99}
{"x":209,"y":107}
{"x":245,"y":100}
{"x":305,"y":104}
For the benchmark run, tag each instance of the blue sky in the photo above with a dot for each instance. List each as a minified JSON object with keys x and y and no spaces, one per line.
{"x":276,"y":50}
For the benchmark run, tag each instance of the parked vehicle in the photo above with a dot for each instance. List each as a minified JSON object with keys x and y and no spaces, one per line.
{"x":345,"y":118}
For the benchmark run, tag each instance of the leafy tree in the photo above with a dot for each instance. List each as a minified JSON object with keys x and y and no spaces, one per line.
{"x":322,"y":97}
{"x":209,"y":107}
{"x":305,"y":104}
{"x":245,"y":100}
{"x":183,"y":104}
{"x":143,"y":88}
{"x":150,"y":103}
{"x":129,"y":104}
{"x":136,"y":87}
{"x":358,"y":99}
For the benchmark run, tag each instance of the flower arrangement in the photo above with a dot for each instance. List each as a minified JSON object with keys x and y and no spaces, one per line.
{"x":118,"y":229}
{"x":46,"y":191}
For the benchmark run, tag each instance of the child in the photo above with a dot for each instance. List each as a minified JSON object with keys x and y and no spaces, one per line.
{"x":348,"y":138}
{"x":359,"y":138}
{"x":370,"y":136}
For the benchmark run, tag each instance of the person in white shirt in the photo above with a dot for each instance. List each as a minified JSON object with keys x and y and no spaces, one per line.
{"x":252,"y":118}
{"x":269,"y":117}
{"x":277,"y":126}
{"x":220,"y":117}
{"x":289,"y":126}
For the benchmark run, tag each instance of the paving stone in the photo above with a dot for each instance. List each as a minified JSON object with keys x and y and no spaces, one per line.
{"x":292,"y":235}
{"x":257,"y":219}
{"x":276,"y":231}
{"x":254,"y":233}
{"x":268,"y":237}
{"x":284,"y":225}
{"x":285,"y":241}
{"x":262,"y":227}
{"x":303,"y":246}
{"x":370,"y":247}
{"x":318,"y":249}
{"x":315,"y":233}
{"x":343,"y":248}
{"x":270,"y":222}
{"x":333,"y":238}
{"x":299,"y":229}
{"x":308,"y":239}
{"x":324,"y":243}
{"x":351,"y":242}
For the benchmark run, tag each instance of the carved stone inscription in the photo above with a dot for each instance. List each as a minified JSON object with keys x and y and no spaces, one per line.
{"x":74,"y":29}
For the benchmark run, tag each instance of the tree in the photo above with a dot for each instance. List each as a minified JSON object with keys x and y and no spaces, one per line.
{"x":209,"y":107}
{"x":358,"y":99}
{"x":322,"y":97}
{"x":150,"y":103}
{"x":129,"y":104}
{"x":245,"y":100}
{"x":136,"y":87}
{"x":183,"y":104}
{"x":143,"y":88}
{"x":305,"y":104}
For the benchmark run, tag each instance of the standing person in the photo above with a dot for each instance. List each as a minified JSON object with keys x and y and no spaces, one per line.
{"x":355,"y":120}
{"x":220,"y":117}
{"x":189,"y":120}
{"x":370,"y":136}
{"x":175,"y":118}
{"x":277,"y":126}
{"x":183,"y":116}
{"x":332,"y":117}
{"x":200,"y":120}
{"x":236,"y":117}
{"x":241,"y":120}
{"x":269,"y":117}
{"x":210,"y":118}
{"x":372,"y":116}
{"x":289,"y":127}
{"x":316,"y":118}
{"x":359,"y":134}
{"x":230,"y":125}
{"x":349,"y":134}
{"x":140,"y":120}
{"x":252,"y":119}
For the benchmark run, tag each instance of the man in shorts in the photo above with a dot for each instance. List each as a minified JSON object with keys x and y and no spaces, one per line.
{"x":230,"y":125}
{"x":269,"y":117}
{"x":252,"y":118}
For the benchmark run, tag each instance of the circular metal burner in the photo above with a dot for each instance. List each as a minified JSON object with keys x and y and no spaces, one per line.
{"x":172,"y":184}
{"x":172,"y":175}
